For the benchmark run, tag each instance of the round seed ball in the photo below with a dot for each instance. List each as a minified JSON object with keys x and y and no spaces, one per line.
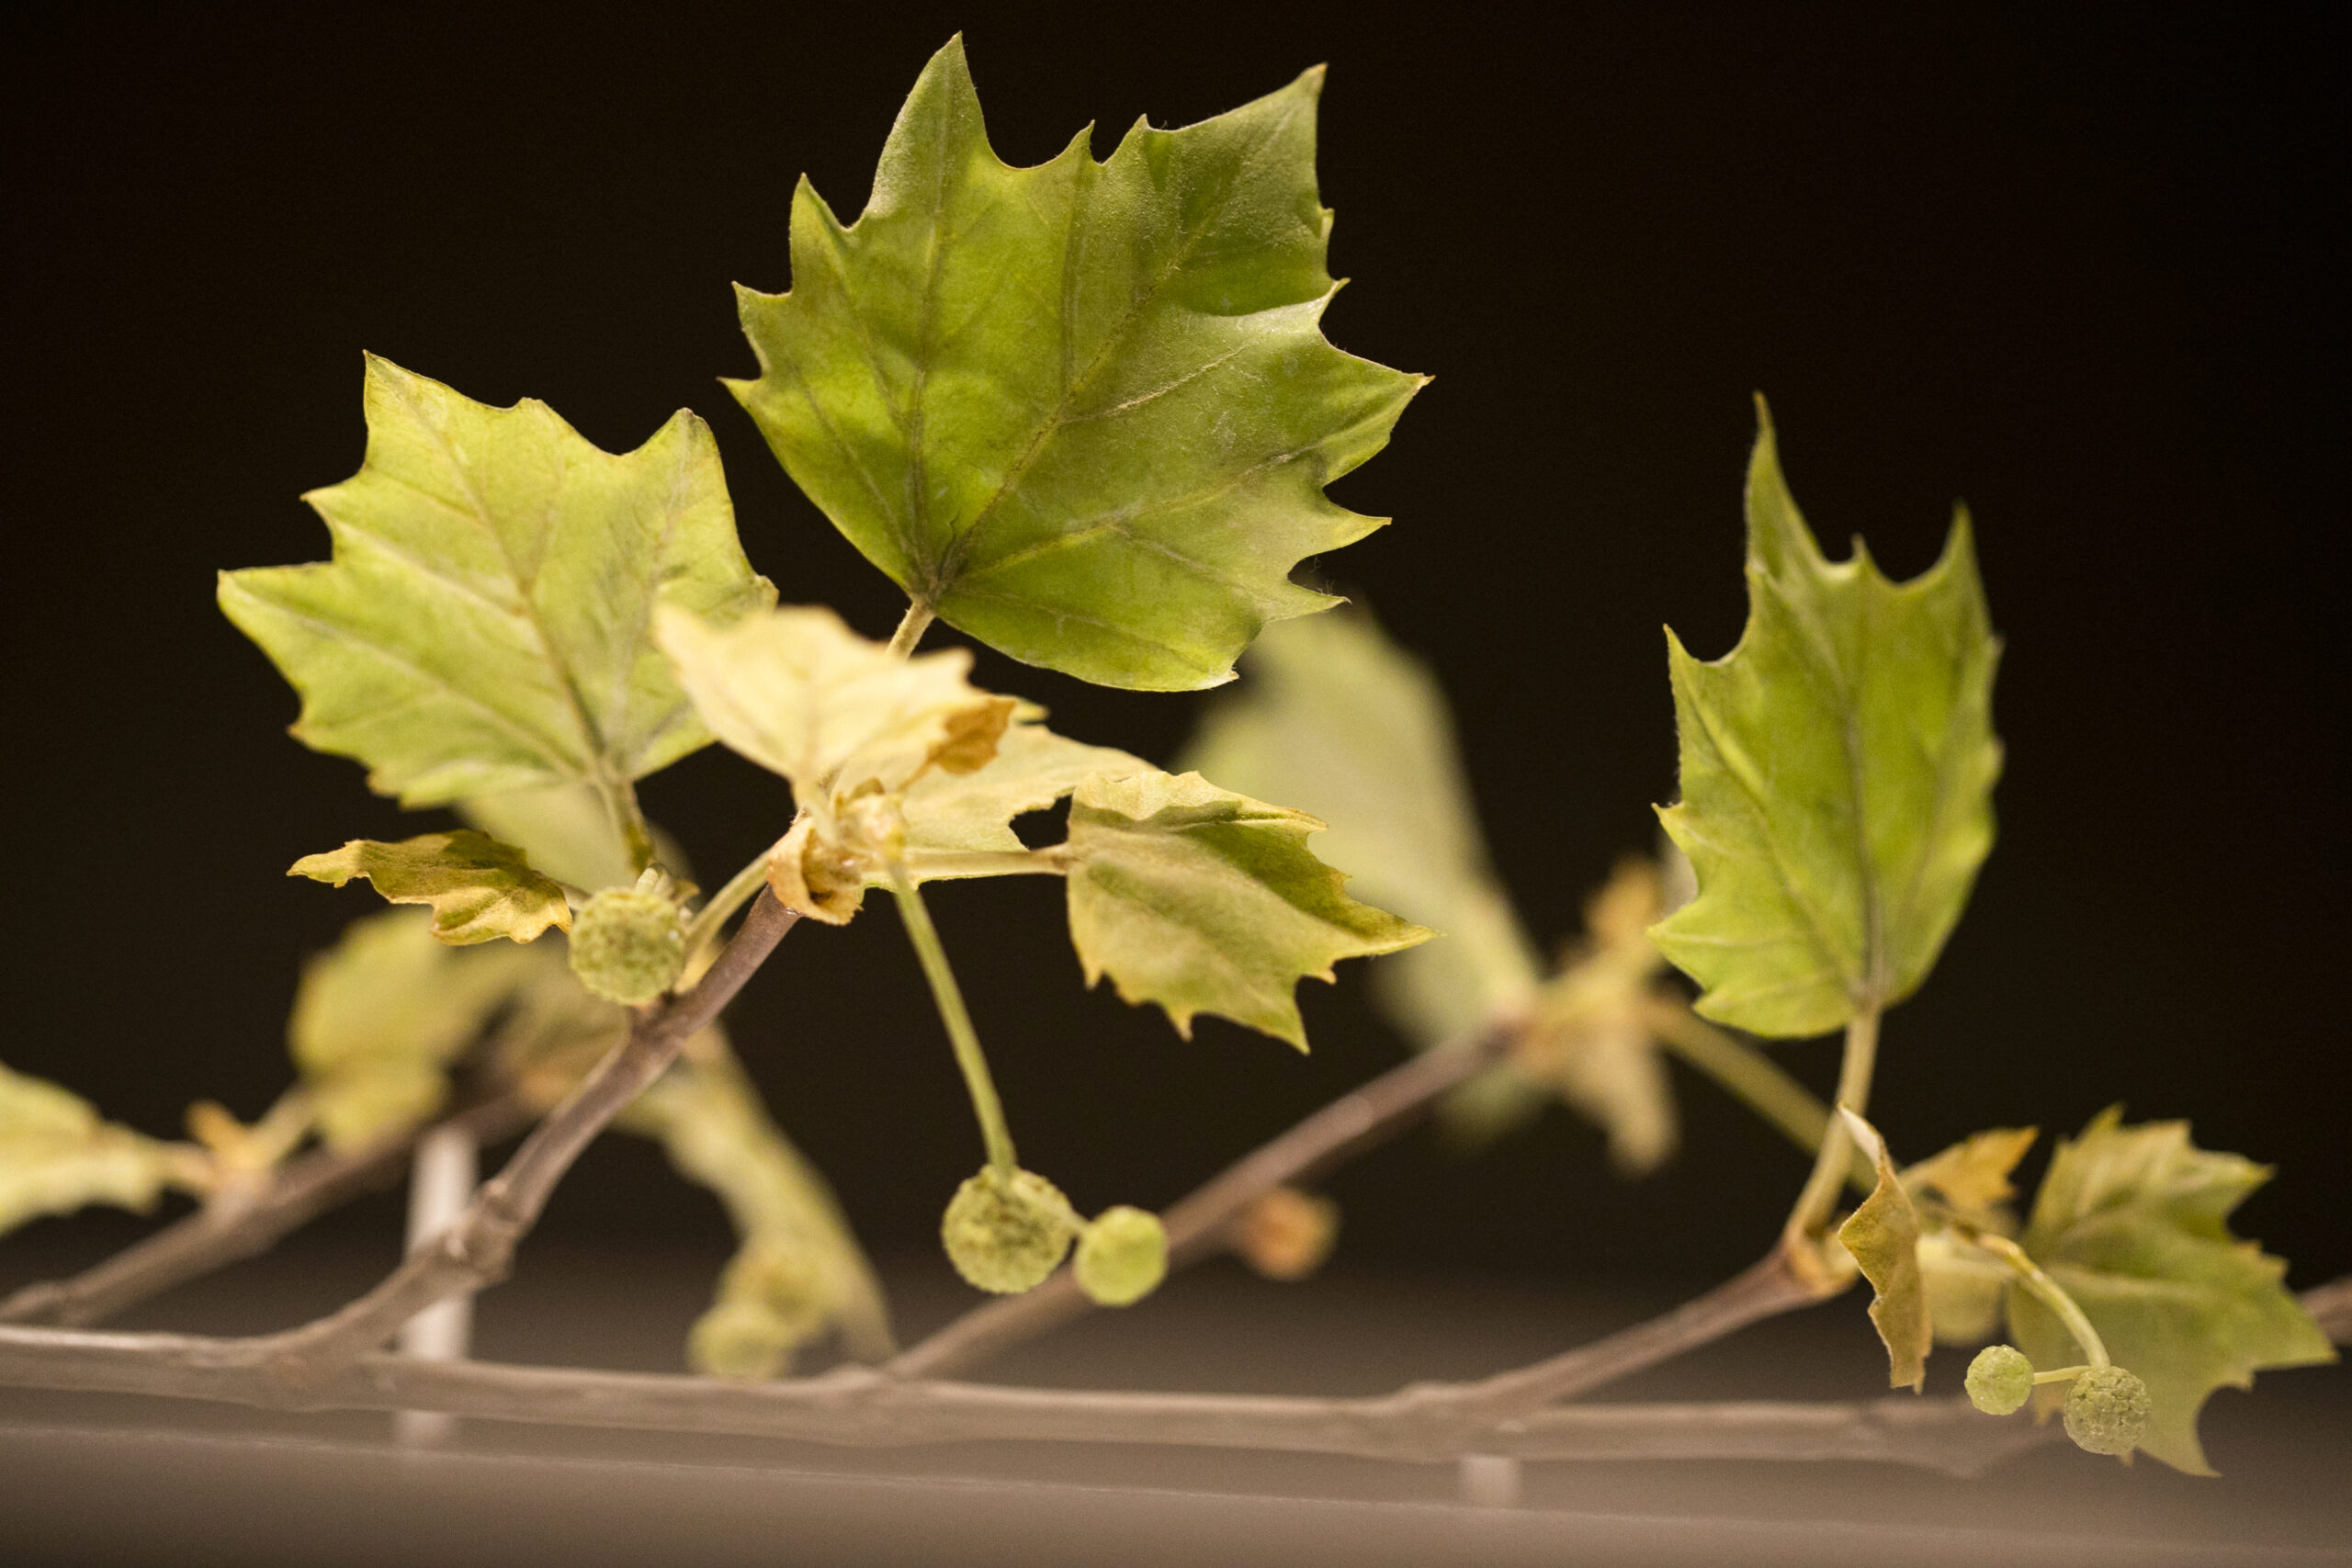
{"x":628,"y":946}
{"x":1003,"y":1234}
{"x":1122,"y":1257}
{"x":1999,"y":1380}
{"x":2106,"y":1410}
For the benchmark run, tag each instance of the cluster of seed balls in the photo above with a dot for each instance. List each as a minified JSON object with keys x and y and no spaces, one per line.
{"x":2107,"y":1408}
{"x":1006,"y":1234}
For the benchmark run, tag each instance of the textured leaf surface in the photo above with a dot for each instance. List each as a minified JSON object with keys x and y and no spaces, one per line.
{"x":1085,"y":411}
{"x":799,"y":693}
{"x":379,"y":1017}
{"x":1883,"y":1233}
{"x":57,"y":1154}
{"x":485,"y":623}
{"x":1973,"y":1176}
{"x":2133,"y":1222}
{"x":972,"y":813}
{"x":1837,"y":769}
{"x":477,"y":888}
{"x":1206,"y":901}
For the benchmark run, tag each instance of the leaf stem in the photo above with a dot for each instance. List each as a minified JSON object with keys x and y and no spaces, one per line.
{"x":2046,"y":1290}
{"x":916,"y":621}
{"x":1748,"y":1076}
{"x":937,"y":865}
{"x":1821,"y":1187}
{"x":740,"y":890}
{"x":949,"y":998}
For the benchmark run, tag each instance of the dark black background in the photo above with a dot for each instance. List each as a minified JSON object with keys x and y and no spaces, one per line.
{"x":2075,"y":265}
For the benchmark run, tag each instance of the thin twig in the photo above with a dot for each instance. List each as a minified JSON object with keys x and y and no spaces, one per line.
{"x":2330,"y":1306}
{"x":244,"y":1222}
{"x":478,"y":1250}
{"x":863,"y":1408}
{"x":1198,"y":1224}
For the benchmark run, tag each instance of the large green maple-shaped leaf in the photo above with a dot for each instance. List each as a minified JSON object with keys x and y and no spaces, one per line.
{"x":2133,"y":1222}
{"x":1083,"y":411}
{"x":1206,"y":901}
{"x":479,"y":888}
{"x":57,"y":1154}
{"x":379,"y":1018}
{"x":1838,"y":770}
{"x":485,"y":624}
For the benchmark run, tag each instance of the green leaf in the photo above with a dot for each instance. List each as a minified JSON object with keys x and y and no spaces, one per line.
{"x":379,"y":1017}
{"x":1084,"y":411}
{"x":1206,"y":901}
{"x":485,"y":624}
{"x":799,"y":1270}
{"x":1838,"y":770}
{"x":479,"y":889}
{"x":58,"y":1154}
{"x":1340,"y":720}
{"x":2133,"y":1221}
{"x":564,"y":832}
{"x":1883,"y":1233}
{"x":960,"y":814}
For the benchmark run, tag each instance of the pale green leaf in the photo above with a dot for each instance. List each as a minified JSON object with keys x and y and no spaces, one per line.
{"x":1972,"y":1177}
{"x":1336,"y":719}
{"x":798,"y":692}
{"x":1084,"y":411}
{"x":800,"y":1270}
{"x":564,"y":832}
{"x":58,"y":1154}
{"x":1883,"y":1235}
{"x":485,"y":624}
{"x":1838,"y":770}
{"x":958,"y":814}
{"x":1206,"y":901}
{"x":2133,"y":1221}
{"x":477,"y":888}
{"x":379,"y":1018}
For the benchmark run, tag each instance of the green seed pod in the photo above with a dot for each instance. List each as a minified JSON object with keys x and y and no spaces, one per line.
{"x":2001,"y":1379}
{"x":1122,"y":1258}
{"x":1006,"y":1235}
{"x":628,"y":946}
{"x":2106,"y":1410}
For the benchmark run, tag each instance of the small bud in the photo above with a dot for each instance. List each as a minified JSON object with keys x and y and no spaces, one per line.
{"x":628,"y":946}
{"x":1006,"y":1235}
{"x":1285,"y":1234}
{"x":1122,"y":1258}
{"x":2001,"y":1379}
{"x":2106,"y":1410}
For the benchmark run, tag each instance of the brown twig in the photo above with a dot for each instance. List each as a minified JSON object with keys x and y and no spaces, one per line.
{"x":478,"y":1248}
{"x":864,"y":1408}
{"x":1197,"y":1225}
{"x":2330,"y":1306}
{"x":243,"y":1222}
